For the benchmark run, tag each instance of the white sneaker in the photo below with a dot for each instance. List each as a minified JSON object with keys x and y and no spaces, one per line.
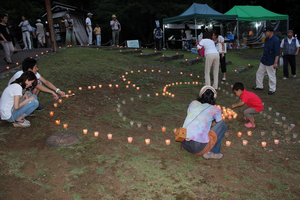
{"x":25,"y":48}
{"x":295,"y":76}
{"x":26,"y":121}
{"x":284,"y":78}
{"x":223,"y":79}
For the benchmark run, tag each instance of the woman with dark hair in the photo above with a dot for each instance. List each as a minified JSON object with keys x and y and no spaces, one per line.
{"x":212,"y":58}
{"x":6,"y":39}
{"x":13,"y":106}
{"x":26,"y":29}
{"x":221,"y":47}
{"x":203,"y":136}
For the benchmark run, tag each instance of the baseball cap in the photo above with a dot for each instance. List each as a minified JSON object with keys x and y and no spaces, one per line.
{"x":89,"y":14}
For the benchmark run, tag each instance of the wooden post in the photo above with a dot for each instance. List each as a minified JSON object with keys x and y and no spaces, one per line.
{"x":51,"y":25}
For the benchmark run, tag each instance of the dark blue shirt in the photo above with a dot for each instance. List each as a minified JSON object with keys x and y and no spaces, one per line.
{"x":271,"y":50}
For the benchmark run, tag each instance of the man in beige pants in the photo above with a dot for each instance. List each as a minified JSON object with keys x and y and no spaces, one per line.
{"x":212,"y":58}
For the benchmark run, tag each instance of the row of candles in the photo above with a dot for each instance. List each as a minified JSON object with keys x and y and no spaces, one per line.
{"x":245,"y":142}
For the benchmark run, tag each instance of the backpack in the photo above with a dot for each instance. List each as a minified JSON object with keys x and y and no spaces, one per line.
{"x":158,"y":33}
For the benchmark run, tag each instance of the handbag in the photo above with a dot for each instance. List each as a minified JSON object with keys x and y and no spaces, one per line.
{"x":180,"y":133}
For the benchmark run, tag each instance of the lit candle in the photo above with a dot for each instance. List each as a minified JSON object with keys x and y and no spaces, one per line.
{"x":110,"y":85}
{"x":59,"y":100}
{"x":276,"y":141}
{"x":65,"y":126}
{"x":51,"y":113}
{"x":159,"y":71}
{"x":228,"y":143}
{"x":245,"y":142}
{"x":124,"y":118}
{"x":47,"y":51}
{"x":100,"y":86}
{"x":235,"y":116}
{"x":55,"y":105}
{"x":127,"y":86}
{"x":147,"y":141}
{"x":80,"y":88}
{"x":109,"y":136}
{"x":116,"y":85}
{"x":137,"y":88}
{"x":239,"y":134}
{"x":139,"y":71}
{"x":85,"y":131}
{"x":67,"y":96}
{"x":17,"y":63}
{"x":249,"y":133}
{"x":139,"y":124}
{"x":36,"y":55}
{"x":131,"y":122}
{"x":263,"y":144}
{"x":149,"y":127}
{"x":7,"y":67}
{"x":156,"y":94}
{"x":57,"y":121}
{"x":131,"y":72}
{"x":96,"y":133}
{"x":89,"y":87}
{"x":94,"y":86}
{"x":163,"y":129}
{"x":229,"y":117}
{"x":173,"y":95}
{"x":129,"y":139}
{"x":168,"y":142}
{"x":145,"y":70}
{"x":69,"y":91}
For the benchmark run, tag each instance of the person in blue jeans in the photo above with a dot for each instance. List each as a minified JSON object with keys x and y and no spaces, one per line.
{"x":199,"y":121}
{"x":14,"y":106}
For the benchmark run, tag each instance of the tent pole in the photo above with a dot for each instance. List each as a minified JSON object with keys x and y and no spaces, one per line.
{"x":237,"y":33}
{"x":163,"y":36}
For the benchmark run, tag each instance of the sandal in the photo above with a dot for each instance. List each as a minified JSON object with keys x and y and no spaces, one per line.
{"x":210,"y":155}
{"x":20,"y":124}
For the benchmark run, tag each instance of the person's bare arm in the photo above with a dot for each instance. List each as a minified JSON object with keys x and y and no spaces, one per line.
{"x":275,"y":65}
{"x":297,"y":52}
{"x":44,"y":89}
{"x":51,"y":86}
{"x":238,"y":104}
{"x":17,"y":103}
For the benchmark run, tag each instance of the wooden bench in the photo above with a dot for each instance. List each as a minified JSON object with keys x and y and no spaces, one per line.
{"x":251,"y":45}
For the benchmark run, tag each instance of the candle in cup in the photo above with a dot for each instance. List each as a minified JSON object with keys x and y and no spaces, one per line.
{"x":89,"y":87}
{"x":94,"y":86}
{"x":229,"y":117}
{"x":85,"y":131}
{"x":263,"y":144}
{"x":69,"y":91}
{"x":57,"y":121}
{"x":65,"y":126}
{"x":270,"y":108}
{"x":117,"y":85}
{"x":110,"y":85}
{"x":139,"y":124}
{"x":283,"y":118}
{"x":168,"y":142}
{"x":274,"y":132}
{"x":295,"y":135}
{"x":156,"y":94}
{"x":131,"y":122}
{"x":262,"y":133}
{"x":149,"y":127}
{"x":269,"y":116}
{"x":131,"y":98}
{"x":239,"y":134}
{"x":249,"y":133}
{"x":59,"y":100}
{"x":100,"y":86}
{"x":124,"y":118}
{"x":287,"y":139}
{"x":109,"y":136}
{"x":293,"y":125}
{"x":80,"y":88}
{"x":228,"y":143}
{"x":51,"y":113}
{"x":55,"y":105}
{"x":137,"y":88}
{"x":147,"y":141}
{"x":127,"y":86}
{"x":277,"y":113}
{"x":276,"y":141}
{"x":67,"y":96}
{"x":245,"y":142}
{"x":163,"y":129}
{"x":123,"y":102}
{"x":96,"y":133}
{"x":140,"y":96}
{"x":129,"y":139}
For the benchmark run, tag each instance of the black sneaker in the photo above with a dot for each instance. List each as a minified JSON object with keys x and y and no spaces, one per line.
{"x":31,"y":114}
{"x":271,"y":93}
{"x":256,"y":88}
{"x":40,"y":108}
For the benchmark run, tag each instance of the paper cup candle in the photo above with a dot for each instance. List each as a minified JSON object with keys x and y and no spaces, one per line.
{"x":245,"y":142}
{"x":239,"y":134}
{"x":80,"y":88}
{"x":163,"y":129}
{"x":85,"y":131}
{"x":228,"y":143}
{"x":55,"y":105}
{"x":96,"y":133}
{"x":51,"y":113}
{"x":57,"y":121}
{"x":263,"y":144}
{"x":147,"y":141}
{"x":276,"y":141}
{"x":65,"y":126}
{"x":168,"y":142}
{"x":249,"y":133}
{"x":59,"y":100}
{"x":129,"y":139}
{"x":109,"y":136}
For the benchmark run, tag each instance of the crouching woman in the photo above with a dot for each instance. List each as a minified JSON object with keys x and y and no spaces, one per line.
{"x":14,"y":106}
{"x":204,"y":137}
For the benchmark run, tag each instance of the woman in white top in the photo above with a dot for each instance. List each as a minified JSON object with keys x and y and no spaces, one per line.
{"x":211,"y":58}
{"x":221,"y":47}
{"x":24,"y":24}
{"x":13,"y":106}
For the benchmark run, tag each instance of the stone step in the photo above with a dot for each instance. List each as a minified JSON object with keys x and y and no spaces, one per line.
{"x":151,"y":54}
{"x":191,"y":61}
{"x":242,"y":68}
{"x":131,"y":52}
{"x":170,"y":57}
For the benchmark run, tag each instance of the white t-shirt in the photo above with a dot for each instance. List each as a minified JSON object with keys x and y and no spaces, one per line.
{"x":188,"y":34}
{"x":209,"y":46}
{"x":7,"y":99}
{"x":115,"y":26}
{"x":18,"y":74}
{"x":88,"y":21}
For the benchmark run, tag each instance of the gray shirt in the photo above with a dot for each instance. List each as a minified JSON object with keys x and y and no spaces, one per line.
{"x":24,"y":27}
{"x":39,"y":28}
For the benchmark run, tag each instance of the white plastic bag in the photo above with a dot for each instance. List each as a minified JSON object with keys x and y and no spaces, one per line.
{"x":280,"y":61}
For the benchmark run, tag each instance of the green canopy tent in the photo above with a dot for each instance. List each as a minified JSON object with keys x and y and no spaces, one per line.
{"x":258,"y":16}
{"x":196,"y":14}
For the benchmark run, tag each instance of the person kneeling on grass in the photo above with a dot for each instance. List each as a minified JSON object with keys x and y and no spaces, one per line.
{"x":14,"y":106}
{"x":252,"y":103}
{"x":29,"y":64}
{"x":203,"y":136}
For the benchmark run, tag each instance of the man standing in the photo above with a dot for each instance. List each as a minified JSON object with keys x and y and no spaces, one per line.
{"x":89,"y":29}
{"x":116,"y":28}
{"x":11,"y":26}
{"x":97,"y":32}
{"x":290,"y":48}
{"x":40,"y":32}
{"x":157,"y":34}
{"x":269,"y":61}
